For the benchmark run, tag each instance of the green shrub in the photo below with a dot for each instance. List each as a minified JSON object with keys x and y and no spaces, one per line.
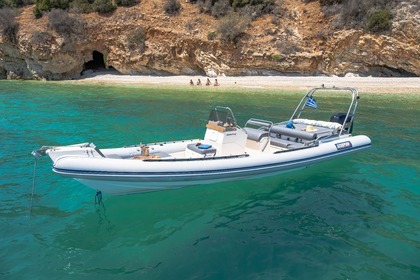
{"x":276,"y":56}
{"x":357,"y":14}
{"x":8,"y":25}
{"x":330,"y":2}
{"x":136,"y":39}
{"x":40,"y":37}
{"x":82,"y":6}
{"x":48,"y":5}
{"x":380,"y":20}
{"x":231,"y":26}
{"x":243,"y":3}
{"x":287,"y":47}
{"x":205,"y":6}
{"x":104,"y":6}
{"x":63,"y":24}
{"x":37,"y":12}
{"x":14,"y":3}
{"x":211,"y":35}
{"x":220,"y":8}
{"x":172,"y":7}
{"x":127,"y":3}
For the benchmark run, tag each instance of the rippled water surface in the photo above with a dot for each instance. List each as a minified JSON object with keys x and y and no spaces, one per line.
{"x":352,"y":218}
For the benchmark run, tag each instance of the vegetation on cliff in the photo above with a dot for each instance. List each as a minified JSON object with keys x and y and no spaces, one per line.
{"x":8,"y":25}
{"x":372,"y":14}
{"x":55,"y":39}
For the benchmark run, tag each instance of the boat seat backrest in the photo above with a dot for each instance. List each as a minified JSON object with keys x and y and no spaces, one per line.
{"x":256,"y":134}
{"x":294,"y":133}
{"x":285,"y":143}
{"x":331,"y":125}
{"x":258,"y":123}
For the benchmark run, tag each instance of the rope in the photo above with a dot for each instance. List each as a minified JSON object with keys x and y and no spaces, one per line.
{"x":101,"y":211}
{"x":98,"y":198}
{"x":33,"y":185}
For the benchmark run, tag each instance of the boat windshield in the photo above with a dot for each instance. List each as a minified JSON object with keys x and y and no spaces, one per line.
{"x":222,"y":116}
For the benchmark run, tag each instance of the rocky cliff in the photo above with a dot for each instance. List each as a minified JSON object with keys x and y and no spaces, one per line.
{"x":144,"y":40}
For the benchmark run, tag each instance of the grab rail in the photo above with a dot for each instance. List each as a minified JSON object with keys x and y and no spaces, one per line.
{"x":351,"y":110}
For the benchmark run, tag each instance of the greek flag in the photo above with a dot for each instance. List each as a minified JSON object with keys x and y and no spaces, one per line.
{"x":311,"y":103}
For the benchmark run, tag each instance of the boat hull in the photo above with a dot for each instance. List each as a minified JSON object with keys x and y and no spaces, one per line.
{"x":122,"y":176}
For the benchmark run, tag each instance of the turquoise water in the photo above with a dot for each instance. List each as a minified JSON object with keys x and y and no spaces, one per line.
{"x":352,"y":218}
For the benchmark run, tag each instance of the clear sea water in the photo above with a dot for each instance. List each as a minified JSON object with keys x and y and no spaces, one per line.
{"x":357,"y":217}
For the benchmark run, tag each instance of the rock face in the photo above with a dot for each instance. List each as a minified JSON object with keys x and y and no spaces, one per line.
{"x":181,"y":45}
{"x":377,"y":55}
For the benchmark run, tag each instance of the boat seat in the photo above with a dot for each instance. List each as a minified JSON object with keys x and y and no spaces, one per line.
{"x":285,"y":143}
{"x":280,"y":142}
{"x":321,"y":132}
{"x":259,"y":123}
{"x":194,"y":148}
{"x":256,"y":134}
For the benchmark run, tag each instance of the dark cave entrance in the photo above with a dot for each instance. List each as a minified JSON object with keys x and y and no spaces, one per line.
{"x":97,"y":64}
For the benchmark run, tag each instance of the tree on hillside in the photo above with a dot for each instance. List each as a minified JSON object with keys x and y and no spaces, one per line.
{"x":360,"y":13}
{"x":172,"y":7}
{"x":14,"y":3}
{"x":64,"y":24}
{"x":104,"y":6}
{"x":136,"y":39}
{"x":231,"y":26}
{"x":8,"y":25}
{"x":218,"y":8}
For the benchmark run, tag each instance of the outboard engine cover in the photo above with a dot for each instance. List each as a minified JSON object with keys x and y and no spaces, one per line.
{"x":340,"y":117}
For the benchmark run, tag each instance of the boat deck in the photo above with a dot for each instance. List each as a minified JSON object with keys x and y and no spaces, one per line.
{"x":263,"y":140}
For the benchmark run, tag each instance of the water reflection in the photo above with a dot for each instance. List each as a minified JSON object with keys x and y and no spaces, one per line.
{"x":355,"y":217}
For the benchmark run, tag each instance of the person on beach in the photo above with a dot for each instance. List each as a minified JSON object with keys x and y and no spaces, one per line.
{"x":198,"y":82}
{"x":208,"y":83}
{"x":216,"y":83}
{"x":191,"y":82}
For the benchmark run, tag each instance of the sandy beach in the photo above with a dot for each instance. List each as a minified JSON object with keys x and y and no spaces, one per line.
{"x":363,"y":84}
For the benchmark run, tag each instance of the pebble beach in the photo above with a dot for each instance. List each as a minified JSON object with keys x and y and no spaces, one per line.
{"x":393,"y":85}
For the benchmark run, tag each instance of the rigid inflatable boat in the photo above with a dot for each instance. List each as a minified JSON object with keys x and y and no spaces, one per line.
{"x":227,"y":152}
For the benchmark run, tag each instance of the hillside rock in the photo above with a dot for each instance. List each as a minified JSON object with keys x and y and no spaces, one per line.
{"x":180,"y":45}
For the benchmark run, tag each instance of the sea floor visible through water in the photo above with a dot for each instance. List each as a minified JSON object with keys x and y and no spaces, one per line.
{"x":356,"y":217}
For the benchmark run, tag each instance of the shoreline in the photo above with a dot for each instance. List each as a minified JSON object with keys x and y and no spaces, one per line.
{"x":409,"y":85}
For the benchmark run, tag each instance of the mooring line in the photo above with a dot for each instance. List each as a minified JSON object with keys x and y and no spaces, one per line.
{"x":98,"y":198}
{"x":33,"y":185}
{"x":102,"y":214}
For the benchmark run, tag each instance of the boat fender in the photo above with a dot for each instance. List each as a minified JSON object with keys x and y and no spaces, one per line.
{"x":289,"y":124}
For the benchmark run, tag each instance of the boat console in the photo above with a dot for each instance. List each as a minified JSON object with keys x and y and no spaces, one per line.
{"x":223,"y":133}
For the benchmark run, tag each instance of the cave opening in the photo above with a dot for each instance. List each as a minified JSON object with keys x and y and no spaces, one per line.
{"x":97,"y":64}
{"x":386,"y":71}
